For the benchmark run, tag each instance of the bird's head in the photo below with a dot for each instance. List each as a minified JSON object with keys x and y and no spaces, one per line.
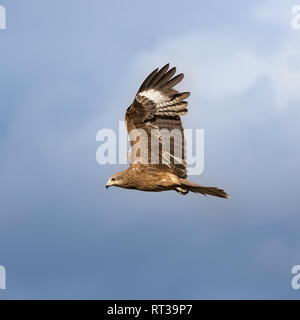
{"x":115,"y":180}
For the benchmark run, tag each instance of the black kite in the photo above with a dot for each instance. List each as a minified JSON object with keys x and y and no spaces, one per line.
{"x":157,"y":106}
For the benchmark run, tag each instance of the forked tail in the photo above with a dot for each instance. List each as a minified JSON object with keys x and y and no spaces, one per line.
{"x":194,"y":187}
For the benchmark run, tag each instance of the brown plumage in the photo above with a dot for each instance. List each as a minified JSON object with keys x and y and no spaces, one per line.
{"x":157,"y":107}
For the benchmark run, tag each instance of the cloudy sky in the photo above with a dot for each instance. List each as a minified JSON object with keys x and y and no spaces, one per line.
{"x":70,"y":68}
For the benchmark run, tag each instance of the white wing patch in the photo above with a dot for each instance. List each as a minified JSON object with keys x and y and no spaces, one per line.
{"x":164,"y":105}
{"x":155,"y":96}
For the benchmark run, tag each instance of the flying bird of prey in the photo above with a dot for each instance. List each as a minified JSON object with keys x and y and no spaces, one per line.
{"x":157,"y":105}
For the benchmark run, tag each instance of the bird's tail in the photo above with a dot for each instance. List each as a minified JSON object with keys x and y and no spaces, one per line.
{"x":194,"y":187}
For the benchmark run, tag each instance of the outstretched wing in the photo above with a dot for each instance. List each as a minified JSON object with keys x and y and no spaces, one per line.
{"x":156,"y":110}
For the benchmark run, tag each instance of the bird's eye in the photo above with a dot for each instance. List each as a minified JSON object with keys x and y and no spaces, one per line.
{"x":113,"y":179}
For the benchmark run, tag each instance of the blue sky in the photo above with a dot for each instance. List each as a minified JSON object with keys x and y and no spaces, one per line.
{"x":70,"y":68}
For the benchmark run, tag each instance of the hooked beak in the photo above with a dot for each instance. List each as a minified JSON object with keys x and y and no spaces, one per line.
{"x":108,"y":184}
